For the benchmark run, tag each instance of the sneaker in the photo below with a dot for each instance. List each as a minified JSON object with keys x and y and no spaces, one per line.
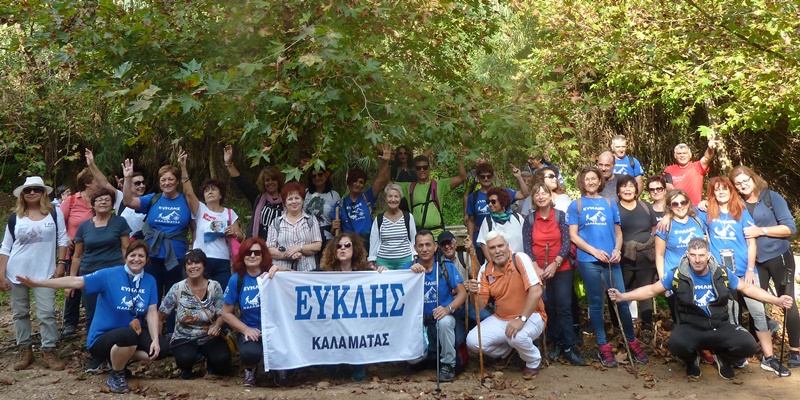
{"x":529,"y":373}
{"x":606,"y":356}
{"x":573,"y":357}
{"x":360,"y":373}
{"x":554,"y":353}
{"x":738,"y":364}
{"x":447,"y":372}
{"x":69,"y":330}
{"x":794,"y":359}
{"x":117,"y":383}
{"x":186,"y":374}
{"x":693,"y":368}
{"x":772,"y":364}
{"x":249,"y":377}
{"x":638,"y":352}
{"x":281,"y":377}
{"x":24,"y":358}
{"x":51,"y":360}
{"x":706,"y":357}
{"x":96,"y":366}
{"x":724,"y":368}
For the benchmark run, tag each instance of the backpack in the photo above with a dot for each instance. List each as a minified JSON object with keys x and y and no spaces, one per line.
{"x":580,"y":202}
{"x":489,"y":220}
{"x":559,"y":216}
{"x":12,"y":223}
{"x":431,"y":193}
{"x":153,"y":200}
{"x":406,"y":220}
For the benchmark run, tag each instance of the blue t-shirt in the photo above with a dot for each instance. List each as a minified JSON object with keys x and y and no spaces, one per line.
{"x":443,"y":289}
{"x":355,"y":215}
{"x":703,"y":287}
{"x":727,"y":233}
{"x":250,"y":301}
{"x":678,"y":241}
{"x":120,"y":300}
{"x":478,"y":207}
{"x":624,"y":167}
{"x":596,"y":224}
{"x":168,"y":215}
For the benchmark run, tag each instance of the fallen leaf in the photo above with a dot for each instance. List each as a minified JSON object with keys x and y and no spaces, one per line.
{"x":649,"y":385}
{"x":626,"y":386}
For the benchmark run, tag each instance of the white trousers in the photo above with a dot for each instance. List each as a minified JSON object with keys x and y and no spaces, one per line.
{"x":497,"y":345}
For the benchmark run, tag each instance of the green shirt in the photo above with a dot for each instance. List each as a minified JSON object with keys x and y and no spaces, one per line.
{"x":434,"y":218}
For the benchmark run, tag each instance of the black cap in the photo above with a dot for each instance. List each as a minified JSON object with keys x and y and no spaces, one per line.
{"x":446,"y":236}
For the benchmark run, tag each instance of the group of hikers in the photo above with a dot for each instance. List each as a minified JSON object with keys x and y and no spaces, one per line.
{"x":148,"y":293}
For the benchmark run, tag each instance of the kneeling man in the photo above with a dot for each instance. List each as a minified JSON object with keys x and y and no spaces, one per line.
{"x":519,"y":316}
{"x":701,"y":289}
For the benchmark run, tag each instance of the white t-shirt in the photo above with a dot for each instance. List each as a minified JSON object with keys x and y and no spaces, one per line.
{"x":134,"y":219}
{"x":210,"y":234}
{"x":33,"y":253}
{"x":512,"y":230}
{"x":319,"y":205}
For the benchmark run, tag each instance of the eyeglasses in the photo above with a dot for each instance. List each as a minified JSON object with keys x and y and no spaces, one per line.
{"x":252,"y":253}
{"x":656,"y":189}
{"x":422,"y":167}
{"x":493,"y":201}
{"x":138,"y":183}
{"x":742,"y":183}
{"x":33,"y":189}
{"x":550,"y":176}
{"x":103,"y":200}
{"x":485,"y":176}
{"x":676,"y":204}
{"x":345,"y":245}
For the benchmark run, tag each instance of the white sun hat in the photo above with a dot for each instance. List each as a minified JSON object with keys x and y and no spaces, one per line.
{"x":32,"y":181}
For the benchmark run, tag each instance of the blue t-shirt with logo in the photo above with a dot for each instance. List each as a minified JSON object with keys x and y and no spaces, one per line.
{"x":624,"y":167}
{"x":478,"y":207}
{"x":678,"y":240}
{"x":703,"y":287}
{"x":728,"y":233}
{"x":167,"y":215}
{"x":596,"y":224}
{"x":120,"y":300}
{"x":443,"y":289}
{"x":355,"y":215}
{"x":249,"y":302}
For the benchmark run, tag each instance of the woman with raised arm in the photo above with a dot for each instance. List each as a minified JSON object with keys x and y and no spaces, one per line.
{"x":215,"y":224}
{"x":34,"y":244}
{"x":126,"y":299}
{"x":265,"y":196}
{"x":294,"y":237}
{"x":166,"y":226}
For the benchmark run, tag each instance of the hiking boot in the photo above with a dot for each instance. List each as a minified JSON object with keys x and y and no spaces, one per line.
{"x":573,"y":357}
{"x":69,"y":330}
{"x":638,"y":352}
{"x":249,"y":377}
{"x":738,"y":364}
{"x":447,"y":372}
{"x":554,"y":352}
{"x":117,"y":383}
{"x":724,"y":368}
{"x":281,"y":377}
{"x":794,"y":359}
{"x":772,"y":364}
{"x":529,"y":373}
{"x":24,"y":358}
{"x":693,"y":368}
{"x":359,"y":373}
{"x":186,"y":374}
{"x":96,"y":366}
{"x":606,"y":356}
{"x":51,"y":360}
{"x":706,"y":357}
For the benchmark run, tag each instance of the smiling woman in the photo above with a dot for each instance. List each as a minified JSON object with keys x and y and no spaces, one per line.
{"x":392,"y":230}
{"x":294,"y":237}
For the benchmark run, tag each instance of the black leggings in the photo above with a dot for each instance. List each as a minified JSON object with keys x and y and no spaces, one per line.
{"x":636,"y":278}
{"x":216,"y":351}
{"x":777,"y":269}
{"x":250,"y":352}
{"x":126,"y":337}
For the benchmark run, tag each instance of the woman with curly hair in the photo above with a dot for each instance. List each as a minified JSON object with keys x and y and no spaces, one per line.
{"x":501,"y":218}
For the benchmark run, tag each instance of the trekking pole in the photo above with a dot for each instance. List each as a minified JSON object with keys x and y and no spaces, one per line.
{"x":335,"y":231}
{"x":619,"y":320}
{"x":787,"y":280}
{"x":435,"y":262}
{"x":544,"y":330}
{"x":475,"y":266}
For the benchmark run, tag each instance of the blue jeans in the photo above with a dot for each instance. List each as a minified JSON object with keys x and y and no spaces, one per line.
{"x":218,"y":270}
{"x":596,"y":277}
{"x":559,"y":309}
{"x":461,"y":331}
{"x":164,"y":281}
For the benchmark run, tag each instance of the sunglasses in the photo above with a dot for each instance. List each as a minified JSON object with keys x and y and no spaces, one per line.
{"x":344,"y":245}
{"x":422,"y":167}
{"x":550,"y":176}
{"x":676,"y":204}
{"x":493,"y":201}
{"x":319,"y":175}
{"x":656,"y":189}
{"x":33,"y":189}
{"x":138,"y":183}
{"x":251,"y":253}
{"x":485,"y":176}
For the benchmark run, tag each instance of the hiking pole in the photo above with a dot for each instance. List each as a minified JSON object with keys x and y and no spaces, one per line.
{"x":544,"y":330}
{"x":475,"y":266}
{"x":438,"y":389}
{"x":787,"y":280}
{"x":619,"y":320}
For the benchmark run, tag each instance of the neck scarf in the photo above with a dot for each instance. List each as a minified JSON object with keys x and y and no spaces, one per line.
{"x":136,"y":277}
{"x":501,"y":218}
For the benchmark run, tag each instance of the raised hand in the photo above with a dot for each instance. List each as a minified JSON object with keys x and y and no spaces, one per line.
{"x":227,"y":154}
{"x":514,"y":170}
{"x":182,"y":156}
{"x":89,"y":156}
{"x":385,"y":152}
{"x":127,"y":168}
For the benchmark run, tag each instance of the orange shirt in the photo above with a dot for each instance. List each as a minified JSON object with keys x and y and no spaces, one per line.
{"x":509,"y":287}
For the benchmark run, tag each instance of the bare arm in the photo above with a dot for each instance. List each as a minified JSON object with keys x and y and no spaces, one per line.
{"x":66,"y":282}
{"x":705,"y":162}
{"x":96,"y":173}
{"x":524,"y":190}
{"x":383,"y":177}
{"x":755,"y":292}
{"x":188,"y":189}
{"x":128,"y":198}
{"x":154,"y":327}
{"x":661,"y":250}
{"x":642,"y":293}
{"x":460,"y":178}
{"x":227,"y":159}
{"x":5,"y":285}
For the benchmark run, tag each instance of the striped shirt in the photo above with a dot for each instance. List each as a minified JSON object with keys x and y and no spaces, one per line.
{"x":303,"y":232}
{"x":392,"y":239}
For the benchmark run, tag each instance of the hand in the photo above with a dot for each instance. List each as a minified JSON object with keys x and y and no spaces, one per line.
{"x":614,"y":295}
{"x":702,"y":205}
{"x":752,"y":231}
{"x":227,"y":154}
{"x":381,"y":268}
{"x":336,"y":224}
{"x":127,"y":168}
{"x":59,"y":270}
{"x":385,"y":152}
{"x":252,"y":334}
{"x":468,"y":242}
{"x":68,"y":293}
{"x":713,"y":144}
{"x":275,"y":269}
{"x":440,"y":312}
{"x":600,"y":255}
{"x":25,"y":280}
{"x":664,"y":224}
{"x":418,"y":268}
{"x":513,"y":328}
{"x":5,"y":285}
{"x":616,"y":256}
{"x":154,"y":349}
{"x":182,"y":156}
{"x":214,"y":330}
{"x":550,"y":271}
{"x":515,"y":171}
{"x":749,"y":278}
{"x":785,"y":301}
{"x":89,"y":157}
{"x":471,"y":286}
{"x":119,"y":182}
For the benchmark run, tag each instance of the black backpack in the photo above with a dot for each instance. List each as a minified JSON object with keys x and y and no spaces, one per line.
{"x":406,"y":220}
{"x":12,"y":223}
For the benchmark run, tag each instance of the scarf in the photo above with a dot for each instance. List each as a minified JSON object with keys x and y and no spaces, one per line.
{"x":136,"y":277}
{"x":501,"y":218}
{"x":262,"y":201}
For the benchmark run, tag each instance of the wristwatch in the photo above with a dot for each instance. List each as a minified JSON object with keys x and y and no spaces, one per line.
{"x":523,"y":318}
{"x":764,"y":230}
{"x":452,"y":311}
{"x":281,"y":248}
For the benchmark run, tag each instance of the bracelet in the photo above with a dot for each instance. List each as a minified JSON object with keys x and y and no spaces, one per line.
{"x":184,"y":180}
{"x":227,"y":164}
{"x":62,"y":262}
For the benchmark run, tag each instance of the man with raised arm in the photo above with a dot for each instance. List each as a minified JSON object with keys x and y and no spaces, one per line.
{"x":688,"y":175}
{"x":426,"y":194}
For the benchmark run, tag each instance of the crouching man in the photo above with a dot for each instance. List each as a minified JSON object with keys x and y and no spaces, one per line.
{"x":441,"y":280}
{"x":701,"y":289}
{"x":519,"y":318}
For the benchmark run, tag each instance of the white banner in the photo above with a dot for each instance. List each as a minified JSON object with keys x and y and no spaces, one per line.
{"x":317,"y":318}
